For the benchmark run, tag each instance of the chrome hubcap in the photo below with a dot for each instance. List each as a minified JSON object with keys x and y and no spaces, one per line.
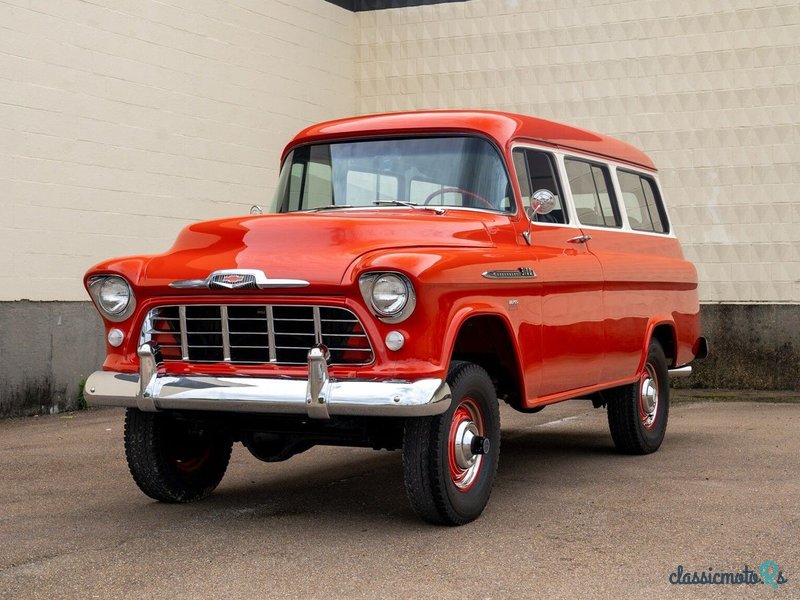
{"x":649,"y":397}
{"x":462,"y":445}
{"x":466,"y":445}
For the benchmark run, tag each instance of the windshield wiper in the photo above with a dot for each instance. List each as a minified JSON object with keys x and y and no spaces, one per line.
{"x":330,"y":207}
{"x":438,"y":210}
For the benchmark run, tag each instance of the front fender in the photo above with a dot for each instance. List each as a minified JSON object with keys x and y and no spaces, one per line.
{"x":450,"y":289}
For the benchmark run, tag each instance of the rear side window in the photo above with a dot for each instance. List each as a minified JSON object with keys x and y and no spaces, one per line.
{"x":642,"y":202}
{"x":592,"y":193}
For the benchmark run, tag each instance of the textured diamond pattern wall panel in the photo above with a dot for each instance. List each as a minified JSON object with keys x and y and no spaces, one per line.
{"x":709,"y":88}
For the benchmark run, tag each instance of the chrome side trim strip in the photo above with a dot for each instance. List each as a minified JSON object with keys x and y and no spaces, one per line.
{"x":684,"y":371}
{"x":521,"y":273}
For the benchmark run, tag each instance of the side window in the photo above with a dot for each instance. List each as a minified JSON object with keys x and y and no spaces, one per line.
{"x":642,"y":202}
{"x":535,"y":171}
{"x":592,"y":193}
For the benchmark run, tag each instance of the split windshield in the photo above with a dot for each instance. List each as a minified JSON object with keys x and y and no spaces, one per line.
{"x":457,"y":171}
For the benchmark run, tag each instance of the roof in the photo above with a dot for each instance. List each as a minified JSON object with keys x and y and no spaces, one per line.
{"x":502,"y":127}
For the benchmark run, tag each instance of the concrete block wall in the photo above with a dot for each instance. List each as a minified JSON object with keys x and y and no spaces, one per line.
{"x":709,"y":88}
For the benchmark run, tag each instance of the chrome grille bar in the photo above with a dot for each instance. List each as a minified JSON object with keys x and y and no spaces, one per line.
{"x":256,"y":333}
{"x":271,"y":335}
{"x":317,"y":327}
{"x":184,"y":335}
{"x":226,"y":334}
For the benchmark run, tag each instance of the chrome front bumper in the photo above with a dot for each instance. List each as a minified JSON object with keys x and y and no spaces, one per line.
{"x":319,"y":396}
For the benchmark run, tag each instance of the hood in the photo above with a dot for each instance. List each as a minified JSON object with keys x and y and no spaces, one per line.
{"x":317,"y":247}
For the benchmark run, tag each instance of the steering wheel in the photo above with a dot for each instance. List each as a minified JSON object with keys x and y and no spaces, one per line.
{"x":455,"y":190}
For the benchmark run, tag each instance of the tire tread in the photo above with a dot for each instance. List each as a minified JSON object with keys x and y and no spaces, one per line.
{"x":144,"y":450}
{"x":424,"y":478}
{"x":623,"y":409}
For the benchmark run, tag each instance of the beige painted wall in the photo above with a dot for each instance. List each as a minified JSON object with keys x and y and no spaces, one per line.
{"x":710,"y":89}
{"x":123,"y":120}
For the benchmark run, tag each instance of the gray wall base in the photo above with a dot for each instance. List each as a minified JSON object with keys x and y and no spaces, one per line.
{"x":48,"y":348}
{"x":752,"y":346}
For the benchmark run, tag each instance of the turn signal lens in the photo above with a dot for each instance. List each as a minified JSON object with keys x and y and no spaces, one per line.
{"x":116,"y":337}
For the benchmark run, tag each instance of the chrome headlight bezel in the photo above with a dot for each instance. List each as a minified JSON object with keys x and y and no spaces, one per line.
{"x":367,"y":283}
{"x":95,"y":285}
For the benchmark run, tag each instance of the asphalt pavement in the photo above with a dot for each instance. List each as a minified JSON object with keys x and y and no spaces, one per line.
{"x":568,"y":517}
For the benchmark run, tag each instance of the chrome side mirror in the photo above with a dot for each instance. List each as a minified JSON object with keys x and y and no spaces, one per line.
{"x":543,"y":202}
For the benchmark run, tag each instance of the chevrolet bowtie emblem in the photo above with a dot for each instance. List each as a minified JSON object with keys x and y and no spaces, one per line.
{"x":233,"y":279}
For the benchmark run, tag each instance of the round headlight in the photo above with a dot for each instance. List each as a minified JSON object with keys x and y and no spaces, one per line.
{"x":389,"y":294}
{"x":114,"y":295}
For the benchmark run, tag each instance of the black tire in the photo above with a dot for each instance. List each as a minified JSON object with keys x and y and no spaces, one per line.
{"x":171,"y":462}
{"x":635,"y":427}
{"x":440,"y":493}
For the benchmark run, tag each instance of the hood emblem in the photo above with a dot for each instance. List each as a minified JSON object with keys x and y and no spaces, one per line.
{"x":232,"y":281}
{"x":238,"y":279}
{"x":521,"y":273}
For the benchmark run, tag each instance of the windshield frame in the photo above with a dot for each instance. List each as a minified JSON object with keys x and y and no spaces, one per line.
{"x":404,"y":136}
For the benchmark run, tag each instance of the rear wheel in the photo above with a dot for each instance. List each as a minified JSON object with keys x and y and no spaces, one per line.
{"x":171,"y":461}
{"x":637,"y":413}
{"x":450,"y":460}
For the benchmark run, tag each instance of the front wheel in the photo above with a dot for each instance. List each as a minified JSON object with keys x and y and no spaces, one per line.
{"x":450,"y":460}
{"x":170,"y":460}
{"x":637,"y":413}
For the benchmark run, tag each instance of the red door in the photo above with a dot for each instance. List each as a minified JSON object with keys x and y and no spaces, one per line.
{"x":571,"y":280}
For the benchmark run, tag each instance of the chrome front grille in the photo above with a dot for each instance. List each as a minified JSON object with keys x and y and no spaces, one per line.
{"x":255,"y":333}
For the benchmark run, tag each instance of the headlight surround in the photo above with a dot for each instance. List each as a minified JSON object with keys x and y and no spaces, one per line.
{"x":390,"y":295}
{"x":113,"y":296}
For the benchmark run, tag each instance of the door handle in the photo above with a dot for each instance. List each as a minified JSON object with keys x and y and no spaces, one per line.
{"x":579,"y":239}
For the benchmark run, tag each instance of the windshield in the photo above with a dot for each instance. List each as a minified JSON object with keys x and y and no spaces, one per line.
{"x":463,"y":172}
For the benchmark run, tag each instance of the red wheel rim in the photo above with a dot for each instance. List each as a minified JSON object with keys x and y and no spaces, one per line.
{"x":648,"y":397}
{"x":464,"y":465}
{"x":187,"y":464}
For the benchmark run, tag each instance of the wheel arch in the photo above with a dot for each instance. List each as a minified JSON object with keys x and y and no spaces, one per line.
{"x":486,"y":338}
{"x":662,"y":330}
